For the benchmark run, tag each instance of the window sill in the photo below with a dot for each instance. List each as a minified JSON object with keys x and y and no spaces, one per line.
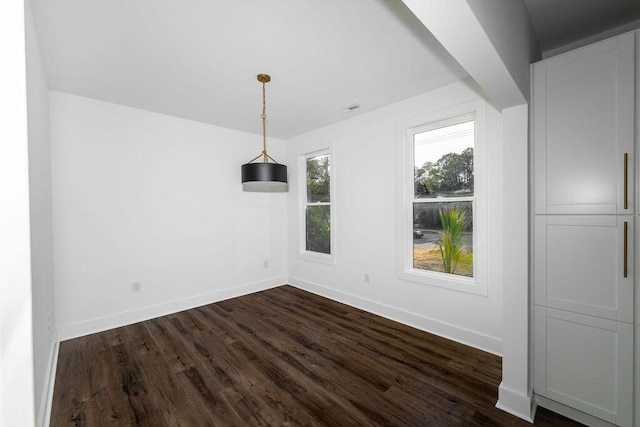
{"x":443,"y":280}
{"x":317,"y":257}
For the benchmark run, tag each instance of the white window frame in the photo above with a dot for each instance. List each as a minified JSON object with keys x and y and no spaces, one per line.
{"x":478,"y":283}
{"x":303,"y":203}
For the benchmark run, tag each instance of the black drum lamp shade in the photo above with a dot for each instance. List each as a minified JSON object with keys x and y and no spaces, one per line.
{"x":268,"y":175}
{"x":264,"y":177}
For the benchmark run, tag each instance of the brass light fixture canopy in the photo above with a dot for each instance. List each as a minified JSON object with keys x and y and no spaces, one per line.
{"x":268,"y":175}
{"x":264,"y":78}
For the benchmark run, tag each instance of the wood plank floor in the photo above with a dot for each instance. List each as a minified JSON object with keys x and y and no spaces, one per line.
{"x":276,"y":358}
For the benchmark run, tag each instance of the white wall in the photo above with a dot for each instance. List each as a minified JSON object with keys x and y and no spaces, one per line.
{"x":140,"y":196}
{"x":16,"y":345}
{"x":365,"y":172}
{"x":44,"y":338}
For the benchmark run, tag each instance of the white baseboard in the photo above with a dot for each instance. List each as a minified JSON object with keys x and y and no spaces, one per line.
{"x":518,"y":404}
{"x":465,"y":336}
{"x":44,"y":412}
{"x":69,"y":331}
{"x":571,"y":413}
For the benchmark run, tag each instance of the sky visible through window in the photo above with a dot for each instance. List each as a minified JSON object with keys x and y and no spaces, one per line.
{"x":431,"y":145}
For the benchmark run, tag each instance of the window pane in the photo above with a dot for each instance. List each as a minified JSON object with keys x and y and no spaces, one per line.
{"x":443,"y":237}
{"x":318,"y":220}
{"x":444,"y":161}
{"x":318,"y":178}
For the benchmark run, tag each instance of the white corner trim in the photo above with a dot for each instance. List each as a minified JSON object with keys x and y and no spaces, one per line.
{"x":44,"y":412}
{"x":74,"y":330}
{"x":446,"y":330}
{"x":518,"y":404}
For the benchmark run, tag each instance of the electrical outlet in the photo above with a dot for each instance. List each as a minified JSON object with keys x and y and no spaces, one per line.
{"x":136,"y":286}
{"x":367,"y":278}
{"x":266,"y":263}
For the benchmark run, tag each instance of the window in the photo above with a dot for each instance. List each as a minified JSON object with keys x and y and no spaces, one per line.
{"x":443,"y":196}
{"x":443,"y":213}
{"x":316,"y":208}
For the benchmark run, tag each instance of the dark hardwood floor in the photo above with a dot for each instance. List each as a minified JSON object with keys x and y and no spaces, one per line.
{"x":278,"y":357}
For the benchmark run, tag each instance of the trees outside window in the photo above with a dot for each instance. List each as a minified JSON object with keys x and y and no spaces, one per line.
{"x":452,"y":172}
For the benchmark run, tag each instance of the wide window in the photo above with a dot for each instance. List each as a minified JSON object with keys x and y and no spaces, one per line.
{"x":316,"y":208}
{"x":443,"y":226}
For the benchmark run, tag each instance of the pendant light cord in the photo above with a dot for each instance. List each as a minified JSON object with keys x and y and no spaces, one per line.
{"x":264,"y":122}
{"x":264,"y":78}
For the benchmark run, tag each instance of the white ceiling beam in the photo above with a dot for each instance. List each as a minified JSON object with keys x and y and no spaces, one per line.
{"x":481,"y":51}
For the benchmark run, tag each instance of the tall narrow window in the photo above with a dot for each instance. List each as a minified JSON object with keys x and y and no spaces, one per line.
{"x":443,"y":196}
{"x":443,"y":217}
{"x":317,"y":206}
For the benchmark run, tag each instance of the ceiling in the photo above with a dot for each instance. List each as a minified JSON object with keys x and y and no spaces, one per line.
{"x":199,"y":59}
{"x":557,"y":23}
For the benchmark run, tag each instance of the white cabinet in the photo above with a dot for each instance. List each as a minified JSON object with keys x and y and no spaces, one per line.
{"x":583,"y":265}
{"x":637,"y":379}
{"x":584,"y":238}
{"x":585,"y":362}
{"x":583,"y":124}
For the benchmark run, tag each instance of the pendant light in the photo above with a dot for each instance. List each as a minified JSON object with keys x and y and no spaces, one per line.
{"x":264,"y":176}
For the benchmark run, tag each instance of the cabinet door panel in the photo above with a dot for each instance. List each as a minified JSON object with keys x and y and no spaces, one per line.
{"x":579,"y":264}
{"x":637,"y":379}
{"x":583,"y":125}
{"x":585,"y":362}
